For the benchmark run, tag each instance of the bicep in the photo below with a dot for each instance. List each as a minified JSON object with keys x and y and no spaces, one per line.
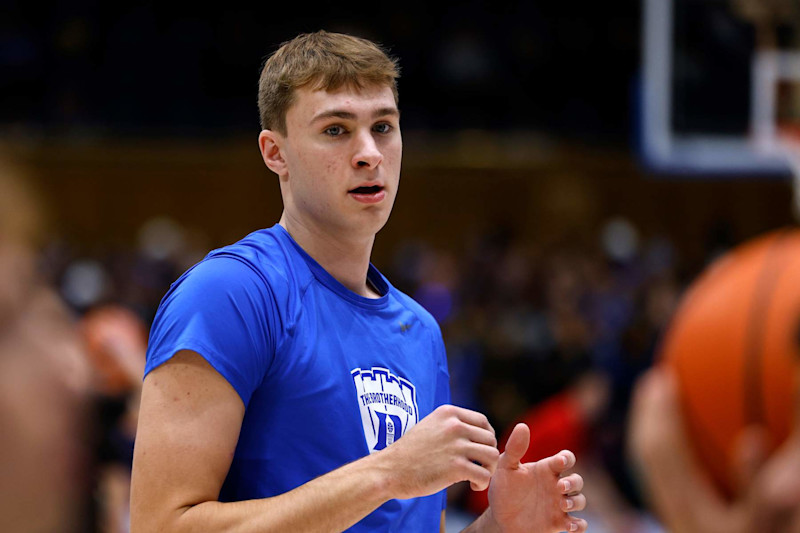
{"x":442,"y":526}
{"x":189,"y":423}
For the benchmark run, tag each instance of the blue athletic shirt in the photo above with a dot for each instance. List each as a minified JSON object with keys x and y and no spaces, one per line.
{"x":326,"y":376}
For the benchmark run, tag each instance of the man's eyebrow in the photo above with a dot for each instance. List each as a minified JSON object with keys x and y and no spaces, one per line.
{"x":386,"y":112}
{"x":347,"y":115}
{"x":334,"y":113}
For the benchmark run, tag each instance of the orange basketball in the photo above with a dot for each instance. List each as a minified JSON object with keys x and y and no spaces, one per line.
{"x":116,"y":341}
{"x":734,"y":344}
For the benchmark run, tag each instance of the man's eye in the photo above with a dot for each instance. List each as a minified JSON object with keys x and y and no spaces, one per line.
{"x":382,"y":127}
{"x":334,"y":131}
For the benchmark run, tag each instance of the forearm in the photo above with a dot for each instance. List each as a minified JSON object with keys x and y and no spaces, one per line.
{"x":332,"y":502}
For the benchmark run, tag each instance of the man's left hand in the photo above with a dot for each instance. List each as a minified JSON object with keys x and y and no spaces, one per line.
{"x":535,"y":496}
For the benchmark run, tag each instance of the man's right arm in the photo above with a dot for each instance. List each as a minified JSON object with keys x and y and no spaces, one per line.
{"x":189,"y":425}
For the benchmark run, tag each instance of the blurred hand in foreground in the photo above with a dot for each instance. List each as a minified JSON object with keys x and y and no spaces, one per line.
{"x":678,"y":488}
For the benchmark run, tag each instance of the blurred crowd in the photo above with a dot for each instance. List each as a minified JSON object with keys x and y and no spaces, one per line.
{"x":555,"y":337}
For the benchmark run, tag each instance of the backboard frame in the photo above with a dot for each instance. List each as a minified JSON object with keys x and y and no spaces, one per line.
{"x":663,"y":150}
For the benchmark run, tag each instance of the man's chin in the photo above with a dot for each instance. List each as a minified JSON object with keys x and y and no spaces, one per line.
{"x":372,"y":220}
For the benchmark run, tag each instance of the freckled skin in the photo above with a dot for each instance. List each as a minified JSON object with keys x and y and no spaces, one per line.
{"x":321,"y":169}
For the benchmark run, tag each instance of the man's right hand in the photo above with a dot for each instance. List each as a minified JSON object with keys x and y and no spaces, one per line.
{"x":451,"y":444}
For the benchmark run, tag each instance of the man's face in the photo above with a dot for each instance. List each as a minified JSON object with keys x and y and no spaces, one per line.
{"x":341,"y":155}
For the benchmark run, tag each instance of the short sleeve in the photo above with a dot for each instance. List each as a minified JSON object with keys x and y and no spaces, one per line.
{"x":223,"y":310}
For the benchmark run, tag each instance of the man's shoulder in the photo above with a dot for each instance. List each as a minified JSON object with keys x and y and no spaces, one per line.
{"x":268,"y":254}
{"x":262,"y":250}
{"x":261,"y":259}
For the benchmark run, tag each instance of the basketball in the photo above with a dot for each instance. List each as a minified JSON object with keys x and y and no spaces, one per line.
{"x":116,"y":341}
{"x":733,"y":343}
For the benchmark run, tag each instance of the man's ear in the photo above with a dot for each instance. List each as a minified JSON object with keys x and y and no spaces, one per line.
{"x":270,"y":143}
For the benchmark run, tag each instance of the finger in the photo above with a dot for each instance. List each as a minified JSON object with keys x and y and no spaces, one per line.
{"x":474,"y":418}
{"x":481,"y":436}
{"x":656,"y":391}
{"x":486,"y":456}
{"x":573,"y":524}
{"x":477,"y":475}
{"x":516,"y":447}
{"x":750,"y":453}
{"x":571,"y":484}
{"x":573,"y":503}
{"x":563,"y":460}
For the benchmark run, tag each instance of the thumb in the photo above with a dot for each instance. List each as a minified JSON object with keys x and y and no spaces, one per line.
{"x":750,"y":452}
{"x":516,"y":447}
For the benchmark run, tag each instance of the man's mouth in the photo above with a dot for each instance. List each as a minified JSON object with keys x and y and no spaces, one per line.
{"x":372,"y":194}
{"x":367,"y":190}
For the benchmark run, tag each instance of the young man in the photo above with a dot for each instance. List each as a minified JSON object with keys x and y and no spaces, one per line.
{"x":289,"y":386}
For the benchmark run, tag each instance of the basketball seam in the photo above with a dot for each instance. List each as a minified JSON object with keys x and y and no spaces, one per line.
{"x":754,"y":408}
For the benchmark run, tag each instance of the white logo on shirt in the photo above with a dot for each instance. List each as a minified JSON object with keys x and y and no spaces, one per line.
{"x":388,"y":405}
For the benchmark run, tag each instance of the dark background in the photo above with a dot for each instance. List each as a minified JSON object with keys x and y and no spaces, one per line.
{"x":103,"y":68}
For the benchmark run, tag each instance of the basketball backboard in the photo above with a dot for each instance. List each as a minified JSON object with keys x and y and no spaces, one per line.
{"x":714,"y":90}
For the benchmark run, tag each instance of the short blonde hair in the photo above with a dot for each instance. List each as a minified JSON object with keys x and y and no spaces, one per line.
{"x":322,"y":61}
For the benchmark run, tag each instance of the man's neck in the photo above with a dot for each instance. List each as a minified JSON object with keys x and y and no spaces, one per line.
{"x":347,"y":260}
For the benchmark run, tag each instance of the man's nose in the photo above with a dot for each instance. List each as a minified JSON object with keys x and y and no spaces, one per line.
{"x":367,"y":154}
